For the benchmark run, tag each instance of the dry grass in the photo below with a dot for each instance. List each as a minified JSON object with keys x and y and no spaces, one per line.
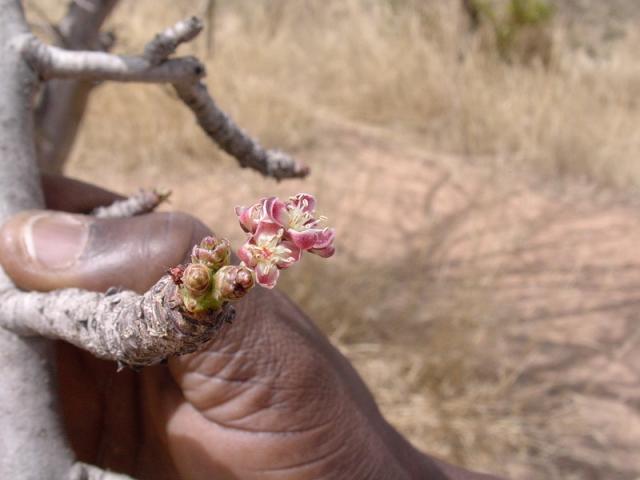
{"x":361,"y":90}
{"x":411,"y":68}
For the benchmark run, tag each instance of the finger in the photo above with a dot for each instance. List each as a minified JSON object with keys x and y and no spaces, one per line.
{"x":45,"y":250}
{"x":70,"y":195}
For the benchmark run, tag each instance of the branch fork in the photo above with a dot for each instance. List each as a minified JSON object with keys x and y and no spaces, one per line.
{"x":155,"y":66}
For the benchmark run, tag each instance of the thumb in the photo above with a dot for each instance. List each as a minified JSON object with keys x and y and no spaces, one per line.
{"x":45,"y":250}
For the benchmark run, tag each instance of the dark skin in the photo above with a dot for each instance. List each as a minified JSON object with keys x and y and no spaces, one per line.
{"x":268,"y":398}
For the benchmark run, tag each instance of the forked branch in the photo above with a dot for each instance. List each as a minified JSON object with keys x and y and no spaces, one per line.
{"x":54,"y":62}
{"x":183,"y":73}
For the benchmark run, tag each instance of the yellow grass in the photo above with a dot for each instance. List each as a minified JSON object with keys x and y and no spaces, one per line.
{"x":328,"y":79}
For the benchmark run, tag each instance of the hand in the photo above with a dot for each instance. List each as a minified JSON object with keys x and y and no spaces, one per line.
{"x":269,"y":397}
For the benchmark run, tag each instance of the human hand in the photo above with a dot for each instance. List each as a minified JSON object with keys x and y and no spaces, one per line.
{"x":269,"y":397}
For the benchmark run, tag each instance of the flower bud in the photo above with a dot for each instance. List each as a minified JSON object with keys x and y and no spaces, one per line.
{"x":212,"y":252}
{"x":233,"y":282}
{"x":196,"y":279}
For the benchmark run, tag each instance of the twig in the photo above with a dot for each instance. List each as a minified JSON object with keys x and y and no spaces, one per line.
{"x":215,"y":122}
{"x":132,"y":329}
{"x":144,"y":201}
{"x":233,"y":140}
{"x":165,"y":44}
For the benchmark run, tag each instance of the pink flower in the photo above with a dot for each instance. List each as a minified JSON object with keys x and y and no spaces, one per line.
{"x":297,"y":217}
{"x":267,"y":253}
{"x":249,"y":217}
{"x":324,"y":243}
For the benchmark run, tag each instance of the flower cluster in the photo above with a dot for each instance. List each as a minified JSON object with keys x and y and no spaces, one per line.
{"x":278,"y":234}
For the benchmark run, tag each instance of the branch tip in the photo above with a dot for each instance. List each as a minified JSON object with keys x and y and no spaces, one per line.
{"x":165,"y":44}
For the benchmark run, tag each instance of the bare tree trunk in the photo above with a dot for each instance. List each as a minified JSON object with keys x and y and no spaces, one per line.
{"x":32,"y":443}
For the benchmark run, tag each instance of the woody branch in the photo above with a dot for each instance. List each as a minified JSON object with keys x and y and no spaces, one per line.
{"x":184,"y":74}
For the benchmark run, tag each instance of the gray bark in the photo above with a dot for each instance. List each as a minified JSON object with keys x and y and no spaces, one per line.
{"x":53,"y":62}
{"x":28,"y":415}
{"x":32,"y":440}
{"x":134,"y":330}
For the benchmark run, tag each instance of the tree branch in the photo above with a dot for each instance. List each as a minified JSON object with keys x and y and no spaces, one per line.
{"x":233,"y":140}
{"x":215,"y":122}
{"x":53,"y":62}
{"x":183,"y":73}
{"x":132,"y":329}
{"x":144,"y":201}
{"x":165,"y":44}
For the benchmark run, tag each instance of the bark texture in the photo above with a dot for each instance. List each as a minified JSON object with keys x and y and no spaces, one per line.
{"x":28,"y":415}
{"x":134,"y":330}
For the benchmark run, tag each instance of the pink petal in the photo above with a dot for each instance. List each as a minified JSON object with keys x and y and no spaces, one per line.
{"x":246,"y":255}
{"x":305,"y":239}
{"x":299,"y":201}
{"x":267,"y":274}
{"x":246,"y":217}
{"x":276,"y":211}
{"x":325,"y":252}
{"x":324,"y":238}
{"x":295,"y":255}
{"x":265,"y":231}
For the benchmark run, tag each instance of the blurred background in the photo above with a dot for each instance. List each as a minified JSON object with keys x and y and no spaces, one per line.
{"x":480,"y":160}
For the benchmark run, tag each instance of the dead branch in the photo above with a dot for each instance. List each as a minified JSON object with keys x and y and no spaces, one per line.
{"x":144,"y":201}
